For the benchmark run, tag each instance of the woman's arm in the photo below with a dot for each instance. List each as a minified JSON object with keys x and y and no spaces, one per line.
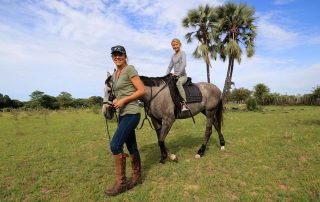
{"x":183,"y":63}
{"x":138,"y":84}
{"x":170,"y":67}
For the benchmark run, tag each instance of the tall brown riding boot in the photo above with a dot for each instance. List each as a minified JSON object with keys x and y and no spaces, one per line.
{"x":136,"y":170}
{"x":121,"y":184}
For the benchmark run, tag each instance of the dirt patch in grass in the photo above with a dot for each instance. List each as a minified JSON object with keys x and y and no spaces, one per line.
{"x":285,"y":187}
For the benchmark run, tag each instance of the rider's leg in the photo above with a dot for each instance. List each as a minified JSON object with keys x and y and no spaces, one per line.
{"x":182,"y":80}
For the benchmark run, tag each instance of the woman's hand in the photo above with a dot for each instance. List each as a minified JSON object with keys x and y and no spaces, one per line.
{"x":106,"y":107}
{"x":118,"y":104}
{"x":136,"y":81}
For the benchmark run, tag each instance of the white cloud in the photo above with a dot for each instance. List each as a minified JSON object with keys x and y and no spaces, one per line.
{"x":282,"y":2}
{"x":277,"y":32}
{"x":275,"y":37}
{"x":314,"y":40}
{"x":282,"y":76}
{"x":165,"y":13}
{"x":66,"y":47}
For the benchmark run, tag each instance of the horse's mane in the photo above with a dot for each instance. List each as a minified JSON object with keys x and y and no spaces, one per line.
{"x":155,"y":81}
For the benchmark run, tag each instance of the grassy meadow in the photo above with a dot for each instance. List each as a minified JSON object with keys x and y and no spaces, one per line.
{"x":271,"y":155}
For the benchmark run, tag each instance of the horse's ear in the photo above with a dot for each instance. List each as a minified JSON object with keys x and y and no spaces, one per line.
{"x":108,"y":78}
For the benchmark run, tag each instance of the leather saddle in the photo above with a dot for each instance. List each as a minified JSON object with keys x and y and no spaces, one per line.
{"x":193,"y":94}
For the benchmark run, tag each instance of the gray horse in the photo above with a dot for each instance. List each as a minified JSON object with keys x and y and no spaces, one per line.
{"x":160,"y":107}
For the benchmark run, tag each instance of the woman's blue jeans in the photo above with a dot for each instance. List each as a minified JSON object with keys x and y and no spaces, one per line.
{"x":125,"y":133}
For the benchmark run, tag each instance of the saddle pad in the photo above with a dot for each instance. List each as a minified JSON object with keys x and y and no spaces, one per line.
{"x":193,"y":94}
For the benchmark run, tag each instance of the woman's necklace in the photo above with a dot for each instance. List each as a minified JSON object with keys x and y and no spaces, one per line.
{"x":118,"y":73}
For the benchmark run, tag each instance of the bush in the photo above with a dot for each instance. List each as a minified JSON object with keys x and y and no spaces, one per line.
{"x":96,"y":109}
{"x":316,"y":92}
{"x":251,"y":104}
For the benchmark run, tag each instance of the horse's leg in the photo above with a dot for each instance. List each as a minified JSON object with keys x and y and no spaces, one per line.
{"x":218,"y":129}
{"x":209,"y":115}
{"x":158,"y":127}
{"x":166,"y":126}
{"x":217,"y":122}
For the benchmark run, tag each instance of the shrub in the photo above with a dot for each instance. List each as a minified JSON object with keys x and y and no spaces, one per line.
{"x":251,"y":104}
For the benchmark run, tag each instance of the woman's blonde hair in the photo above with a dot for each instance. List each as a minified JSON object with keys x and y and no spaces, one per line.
{"x":176,"y":40}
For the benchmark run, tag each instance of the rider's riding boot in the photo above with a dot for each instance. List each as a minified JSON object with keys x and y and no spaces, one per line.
{"x":121,"y":184}
{"x":136,"y":170}
{"x":184,"y":106}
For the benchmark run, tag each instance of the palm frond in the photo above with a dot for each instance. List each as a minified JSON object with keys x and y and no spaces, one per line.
{"x":196,"y":53}
{"x":250,"y":50}
{"x":188,"y":37}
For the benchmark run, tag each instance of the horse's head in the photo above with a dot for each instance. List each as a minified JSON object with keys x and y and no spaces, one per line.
{"x":109,"y":96}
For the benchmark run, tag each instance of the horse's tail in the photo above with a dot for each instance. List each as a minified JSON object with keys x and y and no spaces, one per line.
{"x":219,"y":114}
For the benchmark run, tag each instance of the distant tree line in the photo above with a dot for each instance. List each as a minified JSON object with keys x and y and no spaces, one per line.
{"x":39,"y":100}
{"x":262,"y":95}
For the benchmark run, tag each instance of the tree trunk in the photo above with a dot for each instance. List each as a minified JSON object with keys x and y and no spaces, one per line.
{"x":208,"y":73}
{"x":230,"y":77}
{"x":231,"y":71}
{"x":207,"y":61}
{"x":226,"y":83}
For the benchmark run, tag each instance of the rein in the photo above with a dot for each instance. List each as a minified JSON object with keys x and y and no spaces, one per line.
{"x":106,"y":121}
{"x":107,"y":128}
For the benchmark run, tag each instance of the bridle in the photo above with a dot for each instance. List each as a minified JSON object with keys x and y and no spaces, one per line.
{"x":111,"y":93}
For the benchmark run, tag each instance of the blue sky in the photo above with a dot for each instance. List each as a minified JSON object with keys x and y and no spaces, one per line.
{"x":64,"y":45}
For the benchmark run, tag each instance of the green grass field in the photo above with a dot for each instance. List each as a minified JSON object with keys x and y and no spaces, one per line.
{"x":272,"y":155}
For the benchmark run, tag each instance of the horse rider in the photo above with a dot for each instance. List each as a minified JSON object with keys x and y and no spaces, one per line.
{"x":178,"y":63}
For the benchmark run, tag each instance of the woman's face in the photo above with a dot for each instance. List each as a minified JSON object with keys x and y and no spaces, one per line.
{"x":119,"y":59}
{"x":175,"y":46}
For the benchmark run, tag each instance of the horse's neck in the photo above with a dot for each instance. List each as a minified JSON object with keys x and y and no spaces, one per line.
{"x":154,"y":91}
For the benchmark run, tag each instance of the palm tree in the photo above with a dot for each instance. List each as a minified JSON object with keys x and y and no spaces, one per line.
{"x":201,"y":20}
{"x":236,"y":30}
{"x":260,"y":90}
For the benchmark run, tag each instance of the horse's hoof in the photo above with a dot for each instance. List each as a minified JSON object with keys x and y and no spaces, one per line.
{"x":173,"y":157}
{"x":197,"y":156}
{"x":161,"y":161}
{"x":222,"y":148}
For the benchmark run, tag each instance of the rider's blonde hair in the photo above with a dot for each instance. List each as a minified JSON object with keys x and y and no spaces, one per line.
{"x":176,"y":40}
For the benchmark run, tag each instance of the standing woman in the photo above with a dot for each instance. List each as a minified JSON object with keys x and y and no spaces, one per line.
{"x":178,"y":63}
{"x":127,"y":88}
